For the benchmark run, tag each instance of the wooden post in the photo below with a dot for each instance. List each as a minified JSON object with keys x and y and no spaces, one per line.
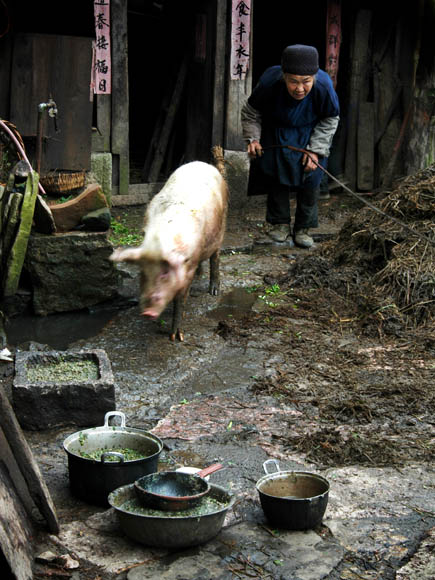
{"x":120,"y":107}
{"x":15,"y":530}
{"x":27,"y":464}
{"x":16,"y":235}
{"x":359,"y":63}
{"x":366,"y":146}
{"x":219,"y":75}
{"x":238,"y":92}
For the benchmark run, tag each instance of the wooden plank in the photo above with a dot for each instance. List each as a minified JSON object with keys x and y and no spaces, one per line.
{"x":101,"y":133}
{"x":120,"y":103}
{"x":220,"y":52}
{"x":366,"y":146}
{"x":15,"y":530}
{"x":5,"y":72}
{"x":11,"y":219}
{"x":155,"y":136}
{"x":168,"y":123}
{"x":70,"y":148}
{"x":358,"y":71}
{"x":17,"y":252}
{"x":27,"y":464}
{"x":200,"y":90}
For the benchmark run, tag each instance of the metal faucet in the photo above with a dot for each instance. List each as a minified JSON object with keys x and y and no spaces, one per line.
{"x":51,"y":107}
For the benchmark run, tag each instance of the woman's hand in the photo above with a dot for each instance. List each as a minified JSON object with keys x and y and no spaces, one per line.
{"x":255,"y":149}
{"x":308,"y":161}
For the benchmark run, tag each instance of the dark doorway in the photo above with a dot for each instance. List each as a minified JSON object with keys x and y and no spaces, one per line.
{"x":281,"y":23}
{"x":159,"y":35}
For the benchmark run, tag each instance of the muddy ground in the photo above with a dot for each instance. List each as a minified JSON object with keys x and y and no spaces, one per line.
{"x":297,"y":360}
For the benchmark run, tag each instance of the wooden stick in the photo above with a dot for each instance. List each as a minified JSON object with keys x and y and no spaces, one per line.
{"x":26,"y":463}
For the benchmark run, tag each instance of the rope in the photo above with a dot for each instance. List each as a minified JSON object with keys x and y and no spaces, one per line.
{"x":18,"y":142}
{"x":370,"y":205}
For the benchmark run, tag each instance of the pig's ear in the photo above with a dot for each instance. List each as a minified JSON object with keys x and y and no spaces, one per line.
{"x":126,"y":255}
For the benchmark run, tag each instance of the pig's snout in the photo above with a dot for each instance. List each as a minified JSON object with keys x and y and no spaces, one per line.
{"x":153,"y":305}
{"x":150,"y":313}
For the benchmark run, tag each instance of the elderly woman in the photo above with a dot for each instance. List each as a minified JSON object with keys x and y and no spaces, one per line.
{"x":292,"y":104}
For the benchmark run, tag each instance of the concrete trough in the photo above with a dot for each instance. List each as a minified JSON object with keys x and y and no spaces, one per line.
{"x":58,"y":388}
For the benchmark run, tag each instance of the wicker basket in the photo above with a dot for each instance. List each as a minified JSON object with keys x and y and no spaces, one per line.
{"x":64,"y":181}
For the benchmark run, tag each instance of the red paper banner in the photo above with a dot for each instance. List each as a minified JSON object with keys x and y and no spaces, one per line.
{"x":240,"y":38}
{"x":333,"y":39}
{"x":101,"y":62}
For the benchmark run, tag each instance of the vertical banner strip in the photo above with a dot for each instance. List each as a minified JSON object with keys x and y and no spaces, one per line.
{"x":102,"y":64}
{"x":240,"y":38}
{"x":333,"y":39}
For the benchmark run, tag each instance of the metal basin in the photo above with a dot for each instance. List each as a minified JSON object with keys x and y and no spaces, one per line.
{"x":169,"y":529}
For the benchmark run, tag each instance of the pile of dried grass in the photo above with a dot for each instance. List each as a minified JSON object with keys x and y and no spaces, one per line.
{"x":397,"y":261}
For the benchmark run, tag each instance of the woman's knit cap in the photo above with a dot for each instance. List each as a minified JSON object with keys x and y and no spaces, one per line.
{"x":300,"y":59}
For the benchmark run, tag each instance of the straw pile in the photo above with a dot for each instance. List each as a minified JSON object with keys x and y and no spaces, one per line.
{"x":397,"y":265}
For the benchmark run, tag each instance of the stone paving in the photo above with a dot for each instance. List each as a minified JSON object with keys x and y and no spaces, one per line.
{"x":378,"y":524}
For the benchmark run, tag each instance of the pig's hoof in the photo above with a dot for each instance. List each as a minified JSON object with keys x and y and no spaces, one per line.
{"x":179,"y":334}
{"x":214,"y":290}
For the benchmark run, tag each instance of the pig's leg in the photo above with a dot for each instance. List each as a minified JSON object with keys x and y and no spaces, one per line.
{"x":214,"y":274}
{"x":178,"y":305}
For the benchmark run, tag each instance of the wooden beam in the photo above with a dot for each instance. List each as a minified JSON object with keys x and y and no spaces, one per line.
{"x":27,"y":464}
{"x":15,"y":529}
{"x":358,"y":69}
{"x":220,"y":52}
{"x":237,"y":93}
{"x":366,"y":146}
{"x":120,"y":99}
{"x":101,"y":133}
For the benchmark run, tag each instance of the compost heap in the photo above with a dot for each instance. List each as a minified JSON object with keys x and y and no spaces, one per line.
{"x":386,"y":269}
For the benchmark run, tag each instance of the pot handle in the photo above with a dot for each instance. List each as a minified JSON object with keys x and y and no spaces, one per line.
{"x":210,"y":469}
{"x":269,"y":462}
{"x":110,"y":414}
{"x":120,"y":456}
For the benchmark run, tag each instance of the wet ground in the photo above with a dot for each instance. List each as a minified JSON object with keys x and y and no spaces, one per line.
{"x":273,"y":368}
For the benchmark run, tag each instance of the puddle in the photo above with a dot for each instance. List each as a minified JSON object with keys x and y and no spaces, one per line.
{"x":187,"y":457}
{"x":234,"y":304}
{"x":56,"y":330}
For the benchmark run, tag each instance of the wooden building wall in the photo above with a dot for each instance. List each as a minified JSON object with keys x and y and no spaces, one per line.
{"x":384,"y":79}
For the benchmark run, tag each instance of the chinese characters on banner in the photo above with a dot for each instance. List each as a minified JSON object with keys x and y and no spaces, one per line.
{"x":240,"y":35}
{"x":333,"y":39}
{"x":101,"y":62}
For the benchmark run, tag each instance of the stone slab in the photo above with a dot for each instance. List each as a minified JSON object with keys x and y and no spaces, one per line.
{"x":101,"y":167}
{"x":70,"y":271}
{"x":44,"y":404}
{"x":237,"y":174}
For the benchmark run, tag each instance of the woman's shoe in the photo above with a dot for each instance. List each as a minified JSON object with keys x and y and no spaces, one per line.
{"x":279,"y":232}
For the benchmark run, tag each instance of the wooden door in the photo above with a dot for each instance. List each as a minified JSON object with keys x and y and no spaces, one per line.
{"x":59,"y":67}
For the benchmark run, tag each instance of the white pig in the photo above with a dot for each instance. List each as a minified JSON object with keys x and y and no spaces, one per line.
{"x":184,"y":225}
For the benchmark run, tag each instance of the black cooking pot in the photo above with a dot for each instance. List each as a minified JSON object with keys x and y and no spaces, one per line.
{"x":293,"y":500}
{"x":92,"y":480}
